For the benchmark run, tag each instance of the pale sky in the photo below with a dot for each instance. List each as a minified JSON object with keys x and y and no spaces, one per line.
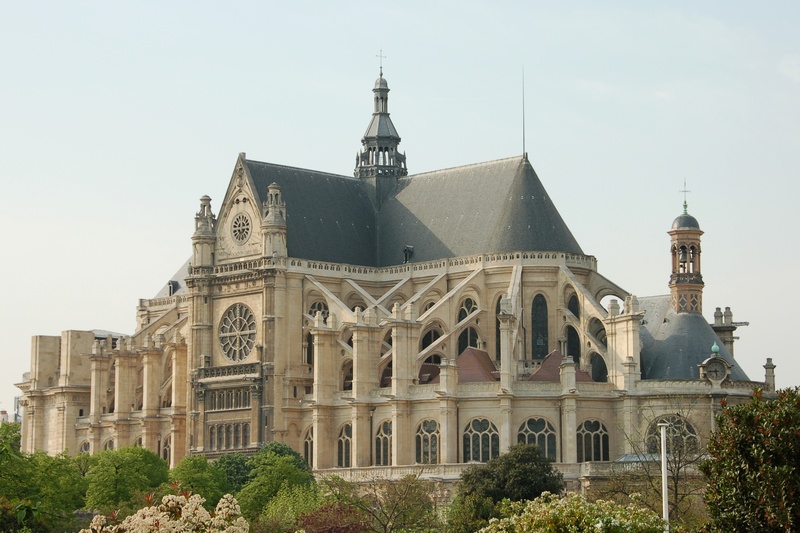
{"x":116,"y":118}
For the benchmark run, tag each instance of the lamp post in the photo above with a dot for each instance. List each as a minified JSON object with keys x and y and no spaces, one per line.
{"x":664,"y":493}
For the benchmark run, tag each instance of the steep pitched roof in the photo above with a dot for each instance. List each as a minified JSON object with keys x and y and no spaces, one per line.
{"x":497,"y":206}
{"x":673,"y":344}
{"x":550,"y":370}
{"x":476,"y":366}
{"x":328,"y":217}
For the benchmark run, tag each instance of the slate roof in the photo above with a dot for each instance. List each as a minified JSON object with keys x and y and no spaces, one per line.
{"x":673,"y":344}
{"x":497,"y":206}
{"x":328,"y":217}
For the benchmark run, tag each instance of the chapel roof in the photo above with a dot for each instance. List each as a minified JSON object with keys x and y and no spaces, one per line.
{"x":674,"y":344}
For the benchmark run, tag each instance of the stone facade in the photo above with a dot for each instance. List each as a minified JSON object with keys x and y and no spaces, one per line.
{"x":376,"y":369}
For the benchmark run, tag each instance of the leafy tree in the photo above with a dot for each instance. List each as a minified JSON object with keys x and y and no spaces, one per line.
{"x":195,"y":474}
{"x":406,"y":504}
{"x":235,"y":469}
{"x":754,"y":471}
{"x":553,"y":514}
{"x":522,"y":473}
{"x":285,"y":511}
{"x":57,"y":486}
{"x":270,"y":472}
{"x":281,"y":450}
{"x":10,"y":438}
{"x":117,"y":475}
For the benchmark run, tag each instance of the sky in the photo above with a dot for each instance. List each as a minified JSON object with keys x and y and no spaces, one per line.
{"x":115,"y":118}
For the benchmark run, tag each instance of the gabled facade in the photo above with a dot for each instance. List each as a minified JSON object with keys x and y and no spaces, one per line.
{"x":388,"y":320}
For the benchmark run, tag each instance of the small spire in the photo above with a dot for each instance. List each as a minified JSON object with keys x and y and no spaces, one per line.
{"x":381,"y":56}
{"x":685,"y":204}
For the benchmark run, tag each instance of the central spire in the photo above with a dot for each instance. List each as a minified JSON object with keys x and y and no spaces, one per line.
{"x":379,"y":162}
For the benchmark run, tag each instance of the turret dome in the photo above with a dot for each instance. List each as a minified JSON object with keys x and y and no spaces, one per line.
{"x":685,"y":221}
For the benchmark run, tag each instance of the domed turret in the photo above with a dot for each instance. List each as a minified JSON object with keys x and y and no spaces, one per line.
{"x":686,"y":280}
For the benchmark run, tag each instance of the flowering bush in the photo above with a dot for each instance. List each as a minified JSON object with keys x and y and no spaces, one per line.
{"x":178,"y":514}
{"x":573,"y":514}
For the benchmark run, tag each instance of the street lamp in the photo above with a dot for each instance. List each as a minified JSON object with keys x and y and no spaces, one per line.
{"x":664,"y":495}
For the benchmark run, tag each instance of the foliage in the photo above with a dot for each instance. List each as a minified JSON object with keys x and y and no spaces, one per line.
{"x":195,"y":474}
{"x":58,"y":487}
{"x":235,"y":469}
{"x":336,"y":517}
{"x":177,"y":513}
{"x":406,"y":504}
{"x":522,"y":473}
{"x":117,"y":475}
{"x":285,"y":510}
{"x":10,"y":438}
{"x":754,"y":473}
{"x":270,"y":472}
{"x":281,"y":450}
{"x":553,"y":514}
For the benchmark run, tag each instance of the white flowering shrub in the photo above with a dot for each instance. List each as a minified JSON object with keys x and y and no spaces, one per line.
{"x":177,"y":514}
{"x":572,"y":513}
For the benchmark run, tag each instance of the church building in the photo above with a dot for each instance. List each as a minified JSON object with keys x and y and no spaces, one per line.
{"x":387,"y":320}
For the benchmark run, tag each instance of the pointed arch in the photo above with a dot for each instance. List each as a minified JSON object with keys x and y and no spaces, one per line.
{"x":539,"y":328}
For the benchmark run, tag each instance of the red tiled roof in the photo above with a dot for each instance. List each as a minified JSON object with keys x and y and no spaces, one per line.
{"x":476,"y":366}
{"x":550,"y":370}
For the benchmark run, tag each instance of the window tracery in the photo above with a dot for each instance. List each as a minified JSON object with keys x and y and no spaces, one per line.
{"x":481,"y":441}
{"x":540,"y":432}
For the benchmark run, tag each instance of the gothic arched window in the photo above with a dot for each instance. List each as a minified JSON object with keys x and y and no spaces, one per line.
{"x":540,"y":432}
{"x":308,"y":447}
{"x":592,"y":442}
{"x":427,"y":442}
{"x":383,"y":444}
{"x":539,"y":348}
{"x":469,"y":337}
{"x":599,"y":368}
{"x":574,"y":307}
{"x":468,"y":306}
{"x":481,"y":441}
{"x":343,"y":444}
{"x":681,"y":436}
{"x":429,"y":337}
{"x":322,"y":308}
{"x":573,"y":345}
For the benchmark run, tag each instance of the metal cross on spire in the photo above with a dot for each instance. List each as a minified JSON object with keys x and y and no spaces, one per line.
{"x":685,"y":191}
{"x":381,"y":58}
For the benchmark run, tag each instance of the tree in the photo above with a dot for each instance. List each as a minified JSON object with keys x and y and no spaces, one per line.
{"x":406,"y":504}
{"x":553,"y":514}
{"x":235,"y":469}
{"x":522,"y":473}
{"x":754,"y":472}
{"x":285,"y":511}
{"x":270,"y":471}
{"x":117,"y":475}
{"x":58,"y":487}
{"x":638,"y":474}
{"x":195,"y":474}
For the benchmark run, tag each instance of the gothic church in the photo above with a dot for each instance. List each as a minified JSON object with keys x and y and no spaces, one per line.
{"x":387,"y":320}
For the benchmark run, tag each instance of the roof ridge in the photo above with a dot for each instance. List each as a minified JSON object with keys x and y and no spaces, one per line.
{"x":289,"y":167}
{"x":437,"y":171}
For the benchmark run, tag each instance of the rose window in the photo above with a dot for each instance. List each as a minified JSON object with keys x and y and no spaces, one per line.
{"x":240,"y":228}
{"x":237,"y":332}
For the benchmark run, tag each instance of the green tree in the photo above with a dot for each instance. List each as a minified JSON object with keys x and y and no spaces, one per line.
{"x":406,"y":504}
{"x":57,"y":485}
{"x":116,"y":476}
{"x":195,"y":474}
{"x":235,"y":469}
{"x":285,"y":511}
{"x":522,"y":473}
{"x":270,"y":472}
{"x":754,"y":472}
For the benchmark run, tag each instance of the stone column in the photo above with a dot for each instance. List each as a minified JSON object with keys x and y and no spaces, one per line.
{"x":402,"y":433}
{"x":324,"y":439}
{"x":569,"y":412}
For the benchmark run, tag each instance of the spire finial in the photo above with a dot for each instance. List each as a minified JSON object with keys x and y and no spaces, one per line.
{"x":685,"y":191}
{"x":524,"y":152}
{"x":381,"y":58}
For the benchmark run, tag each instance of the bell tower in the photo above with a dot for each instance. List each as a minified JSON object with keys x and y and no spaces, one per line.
{"x":686,"y":281}
{"x":379,"y":163}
